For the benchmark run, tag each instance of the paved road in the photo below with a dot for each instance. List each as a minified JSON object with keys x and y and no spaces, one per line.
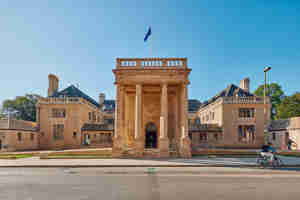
{"x":137,"y":183}
{"x":202,"y":161}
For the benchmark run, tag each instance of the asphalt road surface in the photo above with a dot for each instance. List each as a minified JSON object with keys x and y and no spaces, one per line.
{"x":148,"y":183}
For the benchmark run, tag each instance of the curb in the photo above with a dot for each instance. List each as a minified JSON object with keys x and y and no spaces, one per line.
{"x":129,"y":166}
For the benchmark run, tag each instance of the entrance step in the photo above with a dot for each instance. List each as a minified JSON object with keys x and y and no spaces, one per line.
{"x":151,"y":153}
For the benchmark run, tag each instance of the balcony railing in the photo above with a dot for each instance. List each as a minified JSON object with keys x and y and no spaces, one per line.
{"x":151,"y":62}
{"x":66,"y":100}
{"x":244,"y":100}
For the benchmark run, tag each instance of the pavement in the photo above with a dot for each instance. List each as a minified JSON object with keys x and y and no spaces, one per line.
{"x":111,"y":162}
{"x":207,"y":183}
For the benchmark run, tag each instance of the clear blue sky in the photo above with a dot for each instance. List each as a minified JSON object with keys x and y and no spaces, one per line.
{"x":79,"y":41}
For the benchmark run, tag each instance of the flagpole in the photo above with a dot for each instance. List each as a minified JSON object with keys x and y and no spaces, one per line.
{"x":150,"y":47}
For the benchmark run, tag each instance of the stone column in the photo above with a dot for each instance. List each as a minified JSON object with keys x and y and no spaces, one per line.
{"x":118,"y":148}
{"x":185,"y":143}
{"x":139,"y":143}
{"x":164,"y":140}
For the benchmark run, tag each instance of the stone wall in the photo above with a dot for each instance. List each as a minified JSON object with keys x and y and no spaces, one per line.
{"x":10,"y":140}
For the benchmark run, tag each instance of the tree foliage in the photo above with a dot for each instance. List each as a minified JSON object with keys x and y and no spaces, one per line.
{"x":275,"y":93}
{"x":22,"y":107}
{"x":289,"y":107}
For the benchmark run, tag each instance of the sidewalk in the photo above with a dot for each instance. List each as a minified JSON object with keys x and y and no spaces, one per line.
{"x":194,"y":162}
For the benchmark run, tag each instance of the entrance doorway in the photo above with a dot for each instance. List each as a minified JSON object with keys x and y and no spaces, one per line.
{"x":0,"y":144}
{"x":151,"y":136}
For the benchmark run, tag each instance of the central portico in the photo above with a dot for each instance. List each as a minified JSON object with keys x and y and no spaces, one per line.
{"x":151,"y":115}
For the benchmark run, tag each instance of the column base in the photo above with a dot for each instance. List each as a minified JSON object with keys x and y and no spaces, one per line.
{"x":138,"y":148}
{"x":185,"y":150}
{"x":164,"y":148}
{"x":117,"y":149}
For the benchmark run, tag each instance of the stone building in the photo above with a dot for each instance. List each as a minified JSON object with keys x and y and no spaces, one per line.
{"x":284,"y":132}
{"x":151,"y":107}
{"x":17,"y":135}
{"x":61,"y":116}
{"x":235,"y":117}
{"x":151,"y":115}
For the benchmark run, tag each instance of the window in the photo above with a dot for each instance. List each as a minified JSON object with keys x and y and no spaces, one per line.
{"x":246,"y":112}
{"x":98,"y":119}
{"x":197,"y":120}
{"x":108,"y":121}
{"x":19,"y":137}
{"x":74,"y":135}
{"x":58,"y":113}
{"x":190,"y":135}
{"x":31,"y":136}
{"x":212,"y":115}
{"x":274,"y":136}
{"x":246,"y":133}
{"x":216,"y":136}
{"x":42,"y":134}
{"x":58,"y":131}
{"x":203,"y":137}
{"x":90,"y":116}
{"x":94,"y":116}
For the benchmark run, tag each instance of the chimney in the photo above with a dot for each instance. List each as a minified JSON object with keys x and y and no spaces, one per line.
{"x":53,"y":84}
{"x":101,"y":98}
{"x":245,"y":84}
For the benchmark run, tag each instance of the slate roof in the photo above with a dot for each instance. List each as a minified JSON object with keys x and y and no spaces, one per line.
{"x":96,"y":127}
{"x":276,"y":125}
{"x":193,"y":105}
{"x":73,"y":91}
{"x":230,"y":91}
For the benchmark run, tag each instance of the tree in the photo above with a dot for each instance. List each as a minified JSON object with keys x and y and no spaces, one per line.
{"x":289,"y":107}
{"x":275,"y":93}
{"x":22,"y":107}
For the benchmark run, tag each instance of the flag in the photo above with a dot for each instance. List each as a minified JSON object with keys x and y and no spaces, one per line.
{"x":147,"y":34}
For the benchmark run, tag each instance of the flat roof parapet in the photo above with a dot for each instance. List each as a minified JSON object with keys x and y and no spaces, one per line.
{"x":151,"y":62}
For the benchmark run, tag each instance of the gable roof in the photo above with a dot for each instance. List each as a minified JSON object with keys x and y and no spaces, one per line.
{"x":73,"y":91}
{"x":231,"y":91}
{"x":193,"y":105}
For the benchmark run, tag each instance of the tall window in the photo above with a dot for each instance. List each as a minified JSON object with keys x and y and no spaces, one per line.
{"x":246,"y":112}
{"x":274,"y":136}
{"x":19,"y":137}
{"x":31,"y":136}
{"x":246,"y":134}
{"x":203,"y":137}
{"x":58,"y":131}
{"x":197,"y":120}
{"x":58,"y":113}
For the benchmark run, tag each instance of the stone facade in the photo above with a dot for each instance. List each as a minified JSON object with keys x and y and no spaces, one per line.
{"x":17,"y":135}
{"x":151,"y":107}
{"x":239,"y":114}
{"x":151,"y":116}
{"x":283,"y":132}
{"x":61,"y":116}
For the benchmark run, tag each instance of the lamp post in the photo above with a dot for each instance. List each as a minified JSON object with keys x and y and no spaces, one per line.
{"x":268,"y":68}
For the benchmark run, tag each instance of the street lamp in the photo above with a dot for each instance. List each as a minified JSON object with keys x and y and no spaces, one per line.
{"x":268,"y":68}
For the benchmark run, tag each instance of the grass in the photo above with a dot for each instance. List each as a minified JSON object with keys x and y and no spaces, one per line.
{"x":71,"y":156}
{"x":15,"y":156}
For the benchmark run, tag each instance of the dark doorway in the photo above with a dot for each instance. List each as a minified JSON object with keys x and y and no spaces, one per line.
{"x":0,"y":144}
{"x":151,"y":136}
